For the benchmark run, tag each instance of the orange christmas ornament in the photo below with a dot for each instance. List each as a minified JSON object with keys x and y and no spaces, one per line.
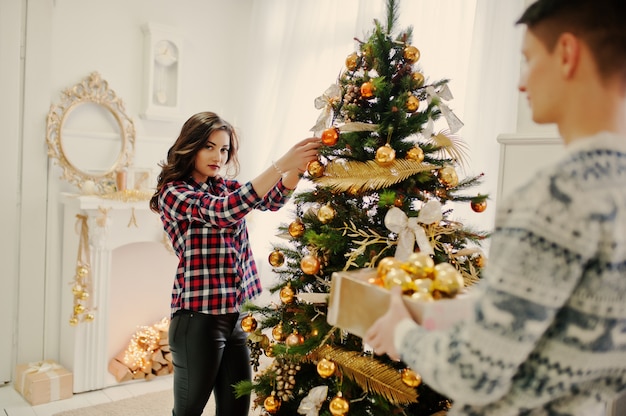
{"x":410,"y":378}
{"x":315,"y":169}
{"x":277,"y":332}
{"x":385,"y":155}
{"x":478,"y":206}
{"x":418,"y":79}
{"x":367,"y":90}
{"x":416,"y":154}
{"x":330,"y":136}
{"x":296,"y":228}
{"x":352,"y":61}
{"x":412,"y":104}
{"x":272,"y":404}
{"x":326,"y":368}
{"x":287,"y":294}
{"x":276,"y":258}
{"x":338,"y":405}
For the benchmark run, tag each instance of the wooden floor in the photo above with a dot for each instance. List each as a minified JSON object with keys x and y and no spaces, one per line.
{"x":13,"y":404}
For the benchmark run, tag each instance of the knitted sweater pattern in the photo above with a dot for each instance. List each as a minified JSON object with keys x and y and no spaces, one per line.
{"x":549,"y":334}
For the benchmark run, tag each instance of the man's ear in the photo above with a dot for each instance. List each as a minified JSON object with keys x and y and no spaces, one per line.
{"x":568,"y":47}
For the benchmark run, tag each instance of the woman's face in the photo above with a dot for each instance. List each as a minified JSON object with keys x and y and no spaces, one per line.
{"x":212,"y":157}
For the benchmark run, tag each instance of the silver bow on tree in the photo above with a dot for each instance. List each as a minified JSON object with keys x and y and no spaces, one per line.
{"x":454,"y":123}
{"x":312,"y":403}
{"x":410,"y":231}
{"x":325,"y":102}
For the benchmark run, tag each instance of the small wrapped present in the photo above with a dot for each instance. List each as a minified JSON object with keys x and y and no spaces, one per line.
{"x":43,"y":382}
{"x":355,"y":304}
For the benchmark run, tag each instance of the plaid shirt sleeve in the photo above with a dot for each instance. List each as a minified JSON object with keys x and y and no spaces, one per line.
{"x":206,"y":225}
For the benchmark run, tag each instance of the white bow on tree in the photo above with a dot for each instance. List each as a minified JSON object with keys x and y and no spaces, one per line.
{"x":410,"y":231}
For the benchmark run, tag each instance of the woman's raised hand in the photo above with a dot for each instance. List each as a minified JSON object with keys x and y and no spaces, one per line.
{"x":299,"y":155}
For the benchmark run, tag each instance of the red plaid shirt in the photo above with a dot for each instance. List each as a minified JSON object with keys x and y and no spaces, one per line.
{"x":206,"y":225}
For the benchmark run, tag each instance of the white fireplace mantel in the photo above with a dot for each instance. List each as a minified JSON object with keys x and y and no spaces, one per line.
{"x":112,"y":223}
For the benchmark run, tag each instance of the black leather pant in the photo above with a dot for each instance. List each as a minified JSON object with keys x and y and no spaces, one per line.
{"x":209,"y":354}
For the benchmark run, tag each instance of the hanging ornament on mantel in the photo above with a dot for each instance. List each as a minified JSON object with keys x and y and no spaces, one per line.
{"x":82,"y":286}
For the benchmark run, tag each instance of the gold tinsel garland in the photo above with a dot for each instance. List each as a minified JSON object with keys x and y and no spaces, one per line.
{"x":82,"y":285}
{"x":369,"y":175}
{"x":371,"y":375}
{"x":128,"y":195}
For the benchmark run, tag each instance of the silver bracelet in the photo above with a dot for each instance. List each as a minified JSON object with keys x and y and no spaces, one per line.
{"x":277,"y":168}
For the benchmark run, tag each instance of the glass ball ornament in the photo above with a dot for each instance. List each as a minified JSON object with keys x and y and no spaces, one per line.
{"x":478,"y":206}
{"x":310,"y":264}
{"x":77,"y":290}
{"x":385,"y":264}
{"x":271,"y":404}
{"x":82,"y":271}
{"x":352,"y":61}
{"x":398,"y":277}
{"x":278,"y":333}
{"x":276,"y":258}
{"x":287,"y":294}
{"x":410,"y":377}
{"x":294,"y":339}
{"x":411,"y":54}
{"x":367,"y":90}
{"x":269,"y":350}
{"x":330,"y":136}
{"x":416,"y":154}
{"x":419,"y":265}
{"x":296,"y":228}
{"x":315,"y":169}
{"x":423,"y":296}
{"x":480,"y":261}
{"x":326,"y":368}
{"x":339,"y":406}
{"x":448,"y":177}
{"x":249,"y":323}
{"x":412,"y":103}
{"x":418,"y":79}
{"x":448,"y":280}
{"x":73,"y":321}
{"x":385,"y":155}
{"x":89,"y":317}
{"x":78,"y":309}
{"x":326,"y":213}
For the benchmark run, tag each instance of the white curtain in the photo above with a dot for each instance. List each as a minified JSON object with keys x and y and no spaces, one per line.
{"x":298,"y":48}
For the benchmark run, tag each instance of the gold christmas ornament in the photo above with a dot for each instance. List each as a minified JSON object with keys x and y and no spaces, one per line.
{"x":269,"y":350}
{"x":339,"y":406}
{"x":276,"y":258}
{"x":287,"y":294}
{"x":296,"y":228}
{"x":81,"y":271}
{"x":367,"y":90}
{"x":478,"y":206}
{"x":412,"y":103}
{"x":330,"y":136}
{"x":448,"y":280}
{"x":315,"y":169}
{"x":249,"y":323}
{"x":422,"y":296}
{"x":271,"y":404}
{"x":448,"y":177}
{"x":411,"y":378}
{"x":411,"y":54}
{"x":479,"y":261}
{"x":385,"y":155}
{"x":89,"y":317}
{"x":398,"y":277}
{"x":278,"y":333}
{"x":419,"y":265}
{"x":294,"y":339}
{"x":416,"y":154}
{"x":418,"y":78}
{"x":310,"y":264}
{"x":326,"y":368}
{"x":386,"y":264}
{"x":351,"y":61}
{"x":73,"y":321}
{"x":326,"y":213}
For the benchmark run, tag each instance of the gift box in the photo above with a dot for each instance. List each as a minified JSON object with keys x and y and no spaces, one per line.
{"x":355,"y":304}
{"x":43,"y":382}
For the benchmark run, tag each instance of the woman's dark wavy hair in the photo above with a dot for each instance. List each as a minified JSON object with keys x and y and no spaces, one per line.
{"x":193,"y":137}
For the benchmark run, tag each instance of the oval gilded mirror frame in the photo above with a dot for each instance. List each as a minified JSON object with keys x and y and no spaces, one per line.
{"x":92,"y":89}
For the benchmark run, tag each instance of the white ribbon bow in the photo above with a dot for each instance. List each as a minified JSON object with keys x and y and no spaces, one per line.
{"x":42,"y":367}
{"x":325,"y":102}
{"x":454,"y":123}
{"x":409,"y":231}
{"x":312,"y":403}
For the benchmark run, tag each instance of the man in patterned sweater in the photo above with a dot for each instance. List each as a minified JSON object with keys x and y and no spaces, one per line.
{"x":549,"y":335}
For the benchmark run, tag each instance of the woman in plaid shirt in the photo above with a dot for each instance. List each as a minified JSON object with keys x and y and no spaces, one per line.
{"x":204,"y":217}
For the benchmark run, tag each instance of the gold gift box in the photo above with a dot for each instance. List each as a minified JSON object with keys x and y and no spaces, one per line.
{"x":43,"y":382}
{"x":355,"y":304}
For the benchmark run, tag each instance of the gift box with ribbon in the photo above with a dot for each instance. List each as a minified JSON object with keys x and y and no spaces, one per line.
{"x":355,"y":304}
{"x":43,"y":382}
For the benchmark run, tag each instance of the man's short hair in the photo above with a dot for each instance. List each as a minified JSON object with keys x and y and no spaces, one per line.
{"x":601,"y":24}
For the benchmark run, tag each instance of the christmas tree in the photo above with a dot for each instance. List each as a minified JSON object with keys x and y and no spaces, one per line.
{"x":382,"y":164}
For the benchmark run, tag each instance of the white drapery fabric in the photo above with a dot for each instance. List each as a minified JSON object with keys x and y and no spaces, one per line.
{"x":298,"y":48}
